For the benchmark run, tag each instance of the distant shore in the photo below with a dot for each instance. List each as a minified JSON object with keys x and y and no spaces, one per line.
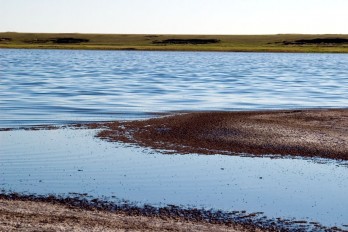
{"x":298,"y":43}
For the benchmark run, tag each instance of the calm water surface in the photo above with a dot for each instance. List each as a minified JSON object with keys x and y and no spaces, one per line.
{"x":60,"y":86}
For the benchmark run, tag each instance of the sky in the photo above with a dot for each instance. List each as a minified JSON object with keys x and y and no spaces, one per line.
{"x":175,"y":16}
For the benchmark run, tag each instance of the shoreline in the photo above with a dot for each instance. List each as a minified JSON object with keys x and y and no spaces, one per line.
{"x":27,"y":215}
{"x":131,"y":215}
{"x":280,"y":43}
{"x":294,"y":50}
{"x":26,"y":212}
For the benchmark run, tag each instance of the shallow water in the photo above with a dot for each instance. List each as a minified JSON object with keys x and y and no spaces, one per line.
{"x":64,"y":161}
{"x":61,"y":86}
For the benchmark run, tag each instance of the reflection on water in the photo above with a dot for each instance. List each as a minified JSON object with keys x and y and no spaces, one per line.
{"x":59,"y":86}
{"x":63,"y":161}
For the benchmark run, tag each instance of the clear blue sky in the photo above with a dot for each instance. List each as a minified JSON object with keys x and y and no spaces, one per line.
{"x":175,"y":16}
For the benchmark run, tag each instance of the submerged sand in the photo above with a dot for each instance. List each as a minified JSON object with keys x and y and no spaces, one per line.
{"x":311,"y":133}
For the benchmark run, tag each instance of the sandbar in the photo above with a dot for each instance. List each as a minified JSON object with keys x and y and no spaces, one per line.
{"x":319,"y":133}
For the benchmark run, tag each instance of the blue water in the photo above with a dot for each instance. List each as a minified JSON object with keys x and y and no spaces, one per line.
{"x":60,"y":86}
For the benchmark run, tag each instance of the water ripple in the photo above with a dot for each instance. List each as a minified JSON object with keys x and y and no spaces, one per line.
{"x":56,"y":86}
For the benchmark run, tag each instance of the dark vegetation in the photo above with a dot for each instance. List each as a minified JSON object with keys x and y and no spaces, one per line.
{"x":187,"y":41}
{"x":67,"y":40}
{"x":319,"y":41}
{"x":70,"y":40}
{"x":5,"y":39}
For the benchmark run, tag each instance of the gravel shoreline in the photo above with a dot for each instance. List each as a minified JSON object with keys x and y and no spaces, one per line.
{"x":77,"y":213}
{"x":18,"y":215}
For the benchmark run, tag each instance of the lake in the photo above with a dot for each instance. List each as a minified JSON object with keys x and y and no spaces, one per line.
{"x":69,"y":86}
{"x":62,"y":86}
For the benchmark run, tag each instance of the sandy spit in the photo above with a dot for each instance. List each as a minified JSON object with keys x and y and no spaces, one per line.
{"x":311,"y":133}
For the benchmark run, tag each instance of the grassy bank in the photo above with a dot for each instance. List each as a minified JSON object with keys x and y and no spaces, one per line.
{"x":235,"y":43}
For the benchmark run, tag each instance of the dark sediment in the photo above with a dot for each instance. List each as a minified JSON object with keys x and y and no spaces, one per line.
{"x":311,"y":133}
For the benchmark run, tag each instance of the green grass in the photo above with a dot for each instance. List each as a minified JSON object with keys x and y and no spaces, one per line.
{"x":233,"y":43}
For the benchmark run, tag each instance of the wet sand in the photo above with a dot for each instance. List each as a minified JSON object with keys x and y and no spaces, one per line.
{"x":17,"y":215}
{"x":309,"y":133}
{"x":49,"y":213}
{"x":30,"y":213}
